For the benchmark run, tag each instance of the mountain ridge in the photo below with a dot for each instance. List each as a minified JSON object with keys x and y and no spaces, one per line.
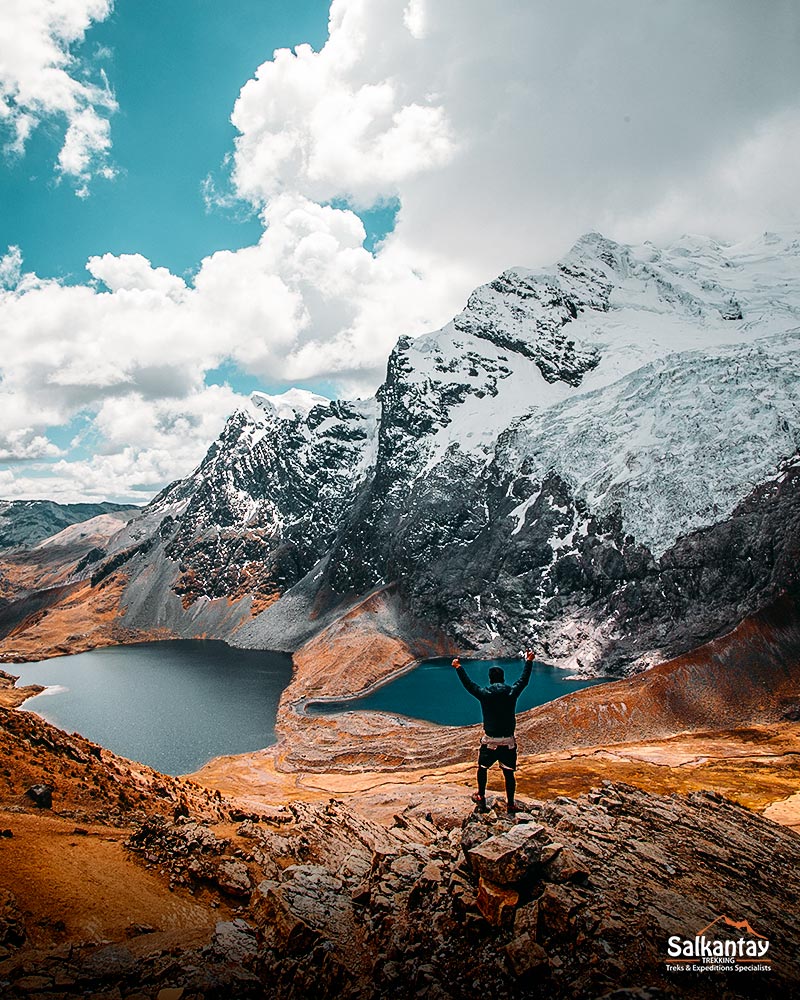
{"x":567,"y":462}
{"x":27,"y":522}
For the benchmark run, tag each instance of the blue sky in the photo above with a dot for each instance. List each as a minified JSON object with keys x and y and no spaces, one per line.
{"x":176,"y":68}
{"x":191,"y":215}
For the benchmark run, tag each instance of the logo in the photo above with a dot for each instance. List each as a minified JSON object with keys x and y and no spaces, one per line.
{"x":724,"y":945}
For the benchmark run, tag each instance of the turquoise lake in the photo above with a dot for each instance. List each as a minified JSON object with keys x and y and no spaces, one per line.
{"x":173,"y":705}
{"x":432,"y":692}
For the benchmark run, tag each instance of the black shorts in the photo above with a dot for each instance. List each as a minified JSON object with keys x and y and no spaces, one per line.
{"x":504,"y":756}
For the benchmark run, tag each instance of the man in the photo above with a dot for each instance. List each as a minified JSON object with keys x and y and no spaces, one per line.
{"x":499,"y":709}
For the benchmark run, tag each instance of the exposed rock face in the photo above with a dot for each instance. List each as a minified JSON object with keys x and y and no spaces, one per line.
{"x":589,"y":591}
{"x":253,"y":519}
{"x":267,"y":497}
{"x":572,"y":899}
{"x":576,"y":897}
{"x":41,"y":796}
{"x":599,"y":456}
{"x":579,"y":896}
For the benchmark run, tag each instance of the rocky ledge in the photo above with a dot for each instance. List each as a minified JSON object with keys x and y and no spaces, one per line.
{"x":575,"y":897}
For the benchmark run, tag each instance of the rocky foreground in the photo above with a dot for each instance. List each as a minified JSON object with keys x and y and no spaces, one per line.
{"x":120,"y":882}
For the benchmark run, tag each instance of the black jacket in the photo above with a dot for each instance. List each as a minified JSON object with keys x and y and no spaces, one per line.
{"x":498,"y":701}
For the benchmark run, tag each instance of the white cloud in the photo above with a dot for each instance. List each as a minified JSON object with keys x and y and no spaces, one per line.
{"x":415,"y":17}
{"x":134,"y":272}
{"x":40,"y":78}
{"x":743,"y":190}
{"x":160,"y":426}
{"x":24,"y":444}
{"x":340,"y":122}
{"x":139,"y":445}
{"x":537,"y":122}
{"x":87,"y":141}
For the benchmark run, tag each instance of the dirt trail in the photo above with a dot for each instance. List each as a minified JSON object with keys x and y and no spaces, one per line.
{"x":84,"y":886}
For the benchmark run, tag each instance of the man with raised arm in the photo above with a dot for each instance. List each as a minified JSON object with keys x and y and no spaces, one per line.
{"x":498,"y":745}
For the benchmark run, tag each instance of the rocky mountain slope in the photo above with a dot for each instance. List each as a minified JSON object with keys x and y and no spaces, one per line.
{"x":600,"y":456}
{"x":26,"y":522}
{"x":119,"y":881}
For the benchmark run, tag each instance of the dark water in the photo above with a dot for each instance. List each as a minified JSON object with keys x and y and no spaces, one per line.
{"x":173,"y":705}
{"x":432,"y":691}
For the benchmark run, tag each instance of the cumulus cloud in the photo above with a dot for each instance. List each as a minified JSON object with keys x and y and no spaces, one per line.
{"x":40,"y":78}
{"x":341,"y":122}
{"x":540,"y":121}
{"x":307,"y":301}
{"x":23,"y":443}
{"x":138,"y":445}
{"x":133,"y":272}
{"x":504,"y":132}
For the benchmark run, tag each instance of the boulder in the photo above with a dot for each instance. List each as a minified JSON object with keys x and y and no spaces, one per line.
{"x":564,"y":865}
{"x":282,"y":927}
{"x":234,"y":941}
{"x":508,"y":858}
{"x":554,"y":907}
{"x":41,"y":796}
{"x":112,"y":962}
{"x":525,"y":956}
{"x":233,"y":878}
{"x":496,"y":902}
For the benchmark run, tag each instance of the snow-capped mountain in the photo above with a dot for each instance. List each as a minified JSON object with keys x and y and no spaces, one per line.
{"x":597,"y":455}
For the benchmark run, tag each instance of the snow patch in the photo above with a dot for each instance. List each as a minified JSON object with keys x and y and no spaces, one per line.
{"x":290,"y":405}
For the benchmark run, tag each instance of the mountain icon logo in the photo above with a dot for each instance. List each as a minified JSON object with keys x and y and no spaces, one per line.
{"x":739,"y":925}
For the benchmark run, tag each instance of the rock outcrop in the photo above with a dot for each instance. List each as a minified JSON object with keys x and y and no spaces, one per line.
{"x":573,"y":898}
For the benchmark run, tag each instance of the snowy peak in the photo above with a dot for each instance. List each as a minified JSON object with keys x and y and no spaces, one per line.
{"x":571,"y":447}
{"x":526,"y":312}
{"x":593,"y":252}
{"x":531,"y":340}
{"x":293,"y":404}
{"x":675,"y":445}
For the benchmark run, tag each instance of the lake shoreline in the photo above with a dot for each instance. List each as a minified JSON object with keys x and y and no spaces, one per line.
{"x":296,"y":727}
{"x":302,"y":704}
{"x":12,"y":696}
{"x":426,"y":692}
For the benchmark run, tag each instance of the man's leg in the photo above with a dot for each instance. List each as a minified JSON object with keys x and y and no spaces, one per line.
{"x":511,"y":786}
{"x":482,"y":773}
{"x":479,"y":798}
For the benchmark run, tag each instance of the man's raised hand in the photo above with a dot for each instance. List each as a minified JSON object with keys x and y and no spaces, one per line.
{"x":529,"y":656}
{"x":456,"y":663}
